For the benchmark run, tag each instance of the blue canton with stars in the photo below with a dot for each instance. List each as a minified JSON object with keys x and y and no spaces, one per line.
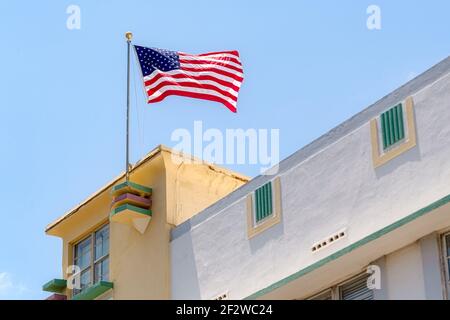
{"x":152,"y":59}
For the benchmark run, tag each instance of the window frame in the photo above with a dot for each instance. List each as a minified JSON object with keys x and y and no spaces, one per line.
{"x":336,"y":290}
{"x":446,"y":261}
{"x":99,"y":260}
{"x":381,"y":156}
{"x":93,"y":261}
{"x":253,"y":227}
{"x":88,"y":267}
{"x":324,"y":293}
{"x":361,"y":276}
{"x":75,"y":252}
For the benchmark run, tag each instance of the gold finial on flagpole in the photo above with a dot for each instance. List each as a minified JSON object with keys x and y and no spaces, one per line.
{"x":129,"y":36}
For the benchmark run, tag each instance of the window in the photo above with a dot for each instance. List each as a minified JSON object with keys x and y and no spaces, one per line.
{"x":356,"y":289}
{"x":446,"y":245}
{"x":101,"y":259}
{"x":353,"y":289}
{"x":263,"y":202}
{"x":264,"y":207}
{"x":91,"y":255}
{"x":392,"y":126}
{"x":393,"y":132}
{"x":82,"y":259}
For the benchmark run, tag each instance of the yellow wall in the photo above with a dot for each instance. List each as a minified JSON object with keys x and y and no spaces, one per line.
{"x":140,"y":263}
{"x":87,"y":219}
{"x":192,"y":186}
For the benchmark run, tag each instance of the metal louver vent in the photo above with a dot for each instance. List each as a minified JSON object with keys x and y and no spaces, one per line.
{"x":356,"y":289}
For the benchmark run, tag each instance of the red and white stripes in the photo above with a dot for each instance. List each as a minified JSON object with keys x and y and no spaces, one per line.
{"x":215,"y":76}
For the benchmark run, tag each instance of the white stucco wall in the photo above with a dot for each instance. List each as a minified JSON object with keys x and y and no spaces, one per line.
{"x":334,"y":188}
{"x":404,"y":274}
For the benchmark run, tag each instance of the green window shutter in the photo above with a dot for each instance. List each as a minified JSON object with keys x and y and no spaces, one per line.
{"x":263,"y":202}
{"x":392,"y":127}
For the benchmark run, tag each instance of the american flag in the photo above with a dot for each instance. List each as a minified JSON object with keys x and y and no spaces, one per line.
{"x":215,"y":76}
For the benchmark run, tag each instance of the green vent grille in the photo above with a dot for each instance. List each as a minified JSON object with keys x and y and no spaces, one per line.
{"x":392,"y":127}
{"x":263,"y":201}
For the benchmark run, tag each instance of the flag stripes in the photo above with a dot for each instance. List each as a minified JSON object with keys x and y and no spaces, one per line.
{"x":215,"y":76}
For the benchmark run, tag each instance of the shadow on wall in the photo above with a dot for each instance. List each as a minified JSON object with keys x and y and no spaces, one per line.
{"x":260,"y":240}
{"x":184,"y":271}
{"x":412,"y":155}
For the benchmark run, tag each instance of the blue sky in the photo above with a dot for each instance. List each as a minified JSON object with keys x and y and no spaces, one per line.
{"x":309,"y":65}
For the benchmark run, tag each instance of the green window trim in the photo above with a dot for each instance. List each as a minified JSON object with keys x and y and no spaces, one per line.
{"x":263,"y":202}
{"x":94,"y":291}
{"x":55,"y":285}
{"x":392,"y":126}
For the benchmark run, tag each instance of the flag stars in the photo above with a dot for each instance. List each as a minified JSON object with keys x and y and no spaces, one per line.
{"x":152,"y":59}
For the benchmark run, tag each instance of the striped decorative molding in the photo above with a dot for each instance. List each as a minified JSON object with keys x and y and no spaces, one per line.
{"x":131,"y":205}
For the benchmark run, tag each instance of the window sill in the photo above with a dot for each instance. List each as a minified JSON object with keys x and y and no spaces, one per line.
{"x":55,"y":286}
{"x":94,"y":291}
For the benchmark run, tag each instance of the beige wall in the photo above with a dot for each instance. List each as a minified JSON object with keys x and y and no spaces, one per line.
{"x":193,"y":186}
{"x":140,"y":264}
{"x":139,"y":261}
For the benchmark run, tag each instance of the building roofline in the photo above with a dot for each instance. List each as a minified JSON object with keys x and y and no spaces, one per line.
{"x":372,"y":237}
{"x":72,"y":211}
{"x":149,"y":156}
{"x":422,"y":81}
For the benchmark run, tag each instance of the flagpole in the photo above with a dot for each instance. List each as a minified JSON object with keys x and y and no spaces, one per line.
{"x":128,"y":36}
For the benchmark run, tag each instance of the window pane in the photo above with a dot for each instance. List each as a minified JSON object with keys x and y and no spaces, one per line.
{"x":85,"y":281}
{"x":102,"y":270}
{"x":102,"y":242}
{"x":83,"y":253}
{"x":447,"y":239}
{"x":448,"y":268}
